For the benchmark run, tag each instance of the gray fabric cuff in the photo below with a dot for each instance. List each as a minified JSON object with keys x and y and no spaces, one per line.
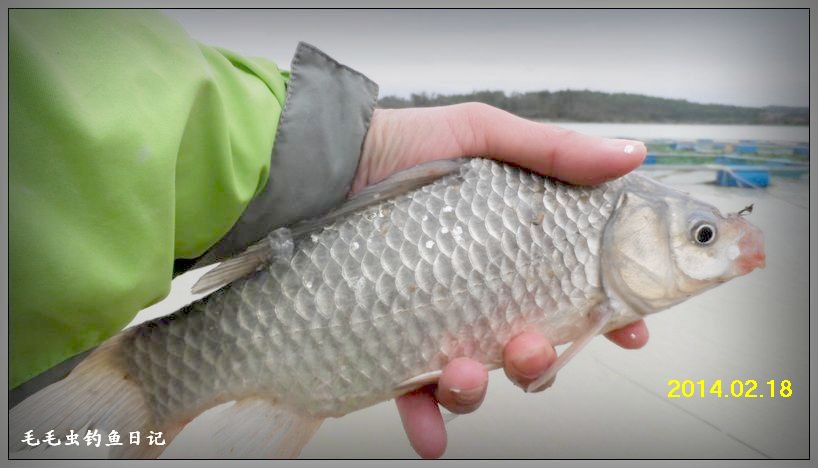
{"x":316,"y":152}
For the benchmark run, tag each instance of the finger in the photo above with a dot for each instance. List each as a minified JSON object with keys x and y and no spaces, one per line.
{"x":548,"y":149}
{"x":526,"y":357}
{"x":632,"y":336}
{"x":462,"y":386}
{"x":422,"y":422}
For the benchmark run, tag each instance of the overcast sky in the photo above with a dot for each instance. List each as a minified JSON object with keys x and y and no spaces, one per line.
{"x":741,"y":57}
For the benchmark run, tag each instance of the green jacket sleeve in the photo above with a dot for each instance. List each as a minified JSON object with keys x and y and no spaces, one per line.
{"x":131,"y":145}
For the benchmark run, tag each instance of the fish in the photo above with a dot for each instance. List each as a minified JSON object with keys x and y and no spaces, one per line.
{"x":448,"y":259}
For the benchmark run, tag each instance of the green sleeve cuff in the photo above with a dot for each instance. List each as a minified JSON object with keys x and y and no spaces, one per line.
{"x":130,"y":145}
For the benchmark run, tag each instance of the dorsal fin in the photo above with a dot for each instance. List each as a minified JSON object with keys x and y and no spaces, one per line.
{"x":393,"y":186}
{"x":276,"y":245}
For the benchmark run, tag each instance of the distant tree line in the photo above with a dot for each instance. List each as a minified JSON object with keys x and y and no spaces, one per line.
{"x":593,"y":106}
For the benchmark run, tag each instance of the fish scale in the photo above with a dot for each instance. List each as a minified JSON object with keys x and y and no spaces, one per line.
{"x":387,"y":294}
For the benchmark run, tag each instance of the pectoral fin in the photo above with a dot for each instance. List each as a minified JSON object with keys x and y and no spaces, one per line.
{"x":599,"y":318}
{"x":418,"y":381}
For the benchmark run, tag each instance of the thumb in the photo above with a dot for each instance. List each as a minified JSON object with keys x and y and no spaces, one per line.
{"x":546,"y":149}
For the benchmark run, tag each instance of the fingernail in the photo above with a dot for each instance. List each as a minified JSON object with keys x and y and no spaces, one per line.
{"x":628,"y":146}
{"x":466,"y":396}
{"x":529,"y":365}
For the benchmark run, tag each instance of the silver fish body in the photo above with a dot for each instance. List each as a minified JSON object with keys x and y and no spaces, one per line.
{"x":455,"y":268}
{"x":392,"y":292}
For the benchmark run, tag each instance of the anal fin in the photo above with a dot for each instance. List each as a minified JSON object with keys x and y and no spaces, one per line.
{"x":146,"y":448}
{"x":257,"y":427}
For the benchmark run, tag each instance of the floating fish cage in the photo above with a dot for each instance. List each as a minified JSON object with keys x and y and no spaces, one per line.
{"x":745,"y":163}
{"x":746,"y":149}
{"x":682,"y":146}
{"x":733,"y":159}
{"x":743,"y":176}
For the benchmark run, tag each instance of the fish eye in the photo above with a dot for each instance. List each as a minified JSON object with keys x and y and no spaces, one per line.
{"x":704,"y":233}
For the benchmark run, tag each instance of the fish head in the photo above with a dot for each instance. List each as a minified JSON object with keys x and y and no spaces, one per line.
{"x":661,"y":247}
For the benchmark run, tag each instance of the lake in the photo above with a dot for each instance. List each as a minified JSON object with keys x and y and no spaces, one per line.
{"x":649,"y":131}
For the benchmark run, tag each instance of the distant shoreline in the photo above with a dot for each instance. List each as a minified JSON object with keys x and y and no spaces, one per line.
{"x":553,"y":121}
{"x":788,"y":135}
{"x":598,"y":107}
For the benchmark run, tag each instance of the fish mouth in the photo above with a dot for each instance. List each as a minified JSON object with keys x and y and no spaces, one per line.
{"x":751,"y":251}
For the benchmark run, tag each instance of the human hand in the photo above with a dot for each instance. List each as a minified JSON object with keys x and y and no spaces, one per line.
{"x":402,"y":138}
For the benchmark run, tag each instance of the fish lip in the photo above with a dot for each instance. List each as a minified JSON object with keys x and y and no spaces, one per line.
{"x":751,"y":251}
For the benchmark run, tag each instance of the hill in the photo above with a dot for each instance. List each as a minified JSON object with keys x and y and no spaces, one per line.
{"x":594,"y":106}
